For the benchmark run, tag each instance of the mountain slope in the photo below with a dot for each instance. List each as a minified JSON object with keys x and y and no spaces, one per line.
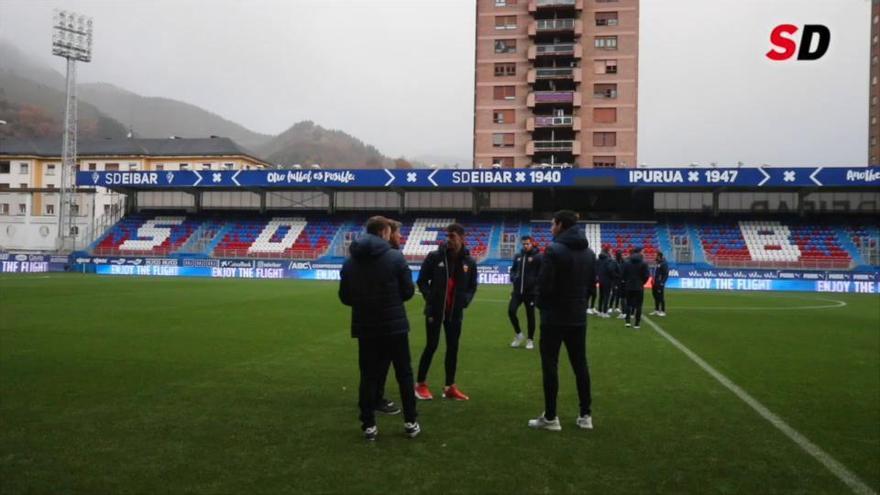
{"x":153,"y":117}
{"x":306,"y":143}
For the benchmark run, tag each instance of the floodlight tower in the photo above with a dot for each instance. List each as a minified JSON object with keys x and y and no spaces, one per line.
{"x":72,"y":40}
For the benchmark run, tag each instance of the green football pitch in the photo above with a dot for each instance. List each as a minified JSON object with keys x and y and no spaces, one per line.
{"x":152,"y":385}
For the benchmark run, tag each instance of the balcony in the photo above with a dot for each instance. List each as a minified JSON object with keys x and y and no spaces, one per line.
{"x":556,"y":26}
{"x":555,"y":50}
{"x":534,"y":5}
{"x":554,"y":73}
{"x":573,"y":147}
{"x":547,"y":121}
{"x":553,"y":97}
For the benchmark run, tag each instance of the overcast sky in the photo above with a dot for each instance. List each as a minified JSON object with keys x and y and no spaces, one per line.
{"x":398,"y":74}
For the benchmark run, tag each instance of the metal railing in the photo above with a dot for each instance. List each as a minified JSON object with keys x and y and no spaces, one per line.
{"x":552,"y":72}
{"x":554,"y":3}
{"x":555,"y":24}
{"x":555,"y":49}
{"x":554,"y":96}
{"x":545,"y":121}
{"x":553,"y":145}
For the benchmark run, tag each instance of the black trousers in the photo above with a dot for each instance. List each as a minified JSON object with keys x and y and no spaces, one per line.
{"x":591,"y":298}
{"x":604,"y":296}
{"x":659,"y":293}
{"x":453,"y":334}
{"x":575,"y":340}
{"x":515,"y":301}
{"x":634,"y":300}
{"x":374,"y":356}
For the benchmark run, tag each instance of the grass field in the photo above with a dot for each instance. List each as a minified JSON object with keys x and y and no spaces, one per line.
{"x":148,"y":385}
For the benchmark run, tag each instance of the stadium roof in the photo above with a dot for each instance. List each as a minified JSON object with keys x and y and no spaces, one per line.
{"x":212,"y":146}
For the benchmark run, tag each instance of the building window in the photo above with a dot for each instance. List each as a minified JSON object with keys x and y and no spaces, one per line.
{"x":4,"y":185}
{"x":50,"y":169}
{"x":50,"y":186}
{"x":504,"y":70}
{"x":206,"y":166}
{"x":504,"y":3}
{"x":229,"y":166}
{"x":22,"y":209}
{"x":605,"y":66}
{"x":607,"y":91}
{"x":505,"y":46}
{"x":873,"y":140}
{"x":504,"y":161}
{"x":184,"y":166}
{"x":23,"y":186}
{"x":504,"y":92}
{"x":23,"y":168}
{"x":606,"y":42}
{"x":111,"y":167}
{"x":106,"y":209}
{"x":604,"y":161}
{"x":4,"y":167}
{"x":505,"y":22}
{"x":606,"y":18}
{"x":74,"y":230}
{"x":160,"y":167}
{"x":605,"y":115}
{"x":50,"y":209}
{"x":74,"y":209}
{"x":93,"y":167}
{"x":502,"y":140}
{"x":132,"y":166}
{"x":503,"y":117}
{"x":4,"y":208}
{"x":604,"y":139}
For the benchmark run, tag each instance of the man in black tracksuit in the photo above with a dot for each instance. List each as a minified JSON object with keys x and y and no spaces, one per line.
{"x":635,"y":274}
{"x":376,"y":281}
{"x":567,"y":267}
{"x":605,"y":273}
{"x":658,"y":287}
{"x":447,"y":281}
{"x":524,"y":277}
{"x":618,"y":299}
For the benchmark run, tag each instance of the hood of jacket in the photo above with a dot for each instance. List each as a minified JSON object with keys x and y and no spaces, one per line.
{"x":368,"y":246}
{"x":573,"y":238}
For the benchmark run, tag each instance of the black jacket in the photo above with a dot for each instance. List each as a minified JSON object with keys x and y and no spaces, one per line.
{"x":661,"y":273}
{"x":567,"y":269}
{"x":635,"y":272}
{"x":606,"y":269}
{"x":375,"y":281}
{"x":432,"y":283}
{"x":524,"y":272}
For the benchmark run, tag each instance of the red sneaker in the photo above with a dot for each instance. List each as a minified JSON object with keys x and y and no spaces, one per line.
{"x":452,"y":392}
{"x":423,"y":392}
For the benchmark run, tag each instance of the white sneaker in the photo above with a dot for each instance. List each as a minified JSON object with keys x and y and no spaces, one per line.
{"x":621,"y":316}
{"x":628,"y":325}
{"x":412,"y":430}
{"x":542,"y":423}
{"x":618,"y":310}
{"x":655,"y":312}
{"x":606,"y":315}
{"x":371,"y":433}
{"x":585,"y":422}
{"x":661,"y":313}
{"x":590,"y":311}
{"x":636,"y":327}
{"x":530,"y":344}
{"x":518,"y":340}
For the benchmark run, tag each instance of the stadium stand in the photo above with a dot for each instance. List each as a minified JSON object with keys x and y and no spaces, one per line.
{"x":741,"y":244}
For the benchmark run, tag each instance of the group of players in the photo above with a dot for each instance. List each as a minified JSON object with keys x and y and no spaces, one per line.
{"x":562,"y":282}
{"x":618,"y":287}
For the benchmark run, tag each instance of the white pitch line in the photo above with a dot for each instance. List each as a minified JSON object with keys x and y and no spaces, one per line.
{"x":843,"y":474}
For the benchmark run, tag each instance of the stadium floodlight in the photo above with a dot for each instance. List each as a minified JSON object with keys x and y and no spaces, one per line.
{"x":71,"y":40}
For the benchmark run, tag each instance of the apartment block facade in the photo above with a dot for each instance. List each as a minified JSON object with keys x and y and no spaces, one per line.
{"x":556,"y":83}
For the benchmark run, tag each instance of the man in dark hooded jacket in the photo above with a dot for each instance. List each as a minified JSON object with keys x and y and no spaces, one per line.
{"x":658,"y":286}
{"x":635,"y":274}
{"x":375,"y":281}
{"x":524,"y":278}
{"x":605,"y":274}
{"x":567,"y":267}
{"x":447,"y":281}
